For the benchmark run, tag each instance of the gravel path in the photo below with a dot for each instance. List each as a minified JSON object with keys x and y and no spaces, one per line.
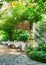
{"x":15,"y":57}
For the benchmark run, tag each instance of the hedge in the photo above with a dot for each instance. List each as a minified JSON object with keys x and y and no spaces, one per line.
{"x":38,"y":56}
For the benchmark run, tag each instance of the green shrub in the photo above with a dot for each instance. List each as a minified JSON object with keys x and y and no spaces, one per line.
{"x":41,"y":47}
{"x":38,"y":56}
{"x":29,"y":49}
{"x":23,"y":38}
{"x":4,"y":36}
{"x":37,"y":53}
{"x":21,"y":35}
{"x":1,"y":4}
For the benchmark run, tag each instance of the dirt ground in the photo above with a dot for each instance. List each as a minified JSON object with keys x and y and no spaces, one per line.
{"x":9,"y":51}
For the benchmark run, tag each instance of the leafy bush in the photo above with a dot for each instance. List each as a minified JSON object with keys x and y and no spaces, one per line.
{"x":22,"y":35}
{"x":23,"y":38}
{"x":3,"y":35}
{"x":41,"y":47}
{"x":1,"y":5}
{"x":37,"y":53}
{"x":38,"y":56}
{"x":29,"y":49}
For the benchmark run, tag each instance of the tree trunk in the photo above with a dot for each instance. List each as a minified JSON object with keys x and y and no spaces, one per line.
{"x":32,"y":30}
{"x":31,"y":27}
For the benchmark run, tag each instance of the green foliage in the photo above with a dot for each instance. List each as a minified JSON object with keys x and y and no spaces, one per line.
{"x":32,"y":12}
{"x":19,"y":12}
{"x":42,"y":5}
{"x":29,"y":49}
{"x":1,"y":5}
{"x":39,"y":1}
{"x":38,"y":56}
{"x":22,"y":35}
{"x":7,"y":21}
{"x":4,"y":36}
{"x":37,"y":53}
{"x":41,"y":47}
{"x":10,"y":18}
{"x":10,"y":0}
